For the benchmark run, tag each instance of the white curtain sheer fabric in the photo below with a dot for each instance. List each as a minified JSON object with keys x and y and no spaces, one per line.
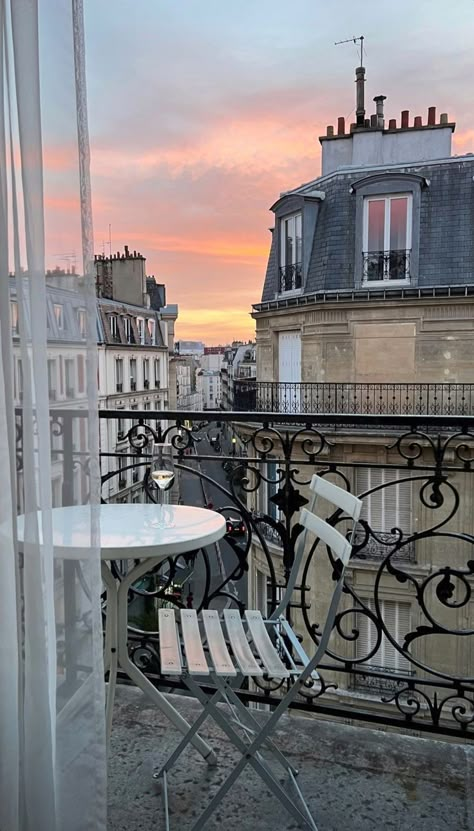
{"x":52,"y":723}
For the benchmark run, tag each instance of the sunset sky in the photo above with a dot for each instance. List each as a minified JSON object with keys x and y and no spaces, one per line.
{"x":201,"y":113}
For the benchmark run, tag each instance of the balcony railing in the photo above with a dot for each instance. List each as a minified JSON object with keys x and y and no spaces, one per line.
{"x":352,"y":398}
{"x":266,"y":486}
{"x":291,"y":277}
{"x":378,"y":266}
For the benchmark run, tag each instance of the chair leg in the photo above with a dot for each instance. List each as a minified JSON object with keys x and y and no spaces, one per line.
{"x":248,"y":757}
{"x":255,"y":728}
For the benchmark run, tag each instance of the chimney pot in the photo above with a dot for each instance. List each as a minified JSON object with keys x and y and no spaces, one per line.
{"x":379,"y":99}
{"x":360,"y":106}
{"x":443,"y":119}
{"x":329,"y":130}
{"x":392,"y":124}
{"x":134,"y":253}
{"x":418,"y":121}
{"x":126,"y":250}
{"x":373,"y":120}
{"x":405,"y":117}
{"x":431,"y":115}
{"x":341,"y":125}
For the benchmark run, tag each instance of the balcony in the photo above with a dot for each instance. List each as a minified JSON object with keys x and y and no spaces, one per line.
{"x":354,"y":778}
{"x":133,"y":385}
{"x":347,"y":398}
{"x":378,"y":266}
{"x":290,"y":277}
{"x":265,"y":484}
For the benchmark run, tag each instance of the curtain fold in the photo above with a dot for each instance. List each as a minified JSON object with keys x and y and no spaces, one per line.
{"x":52,"y":725}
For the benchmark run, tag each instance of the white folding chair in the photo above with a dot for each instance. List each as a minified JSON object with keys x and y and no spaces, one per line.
{"x":252,"y":647}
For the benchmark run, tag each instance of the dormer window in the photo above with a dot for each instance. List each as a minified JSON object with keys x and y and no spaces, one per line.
{"x":387,"y":238}
{"x":59,"y":315}
{"x":291,"y":253}
{"x":141,"y":329}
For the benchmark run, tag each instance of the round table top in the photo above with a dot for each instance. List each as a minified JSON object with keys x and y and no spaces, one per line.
{"x":127,"y":530}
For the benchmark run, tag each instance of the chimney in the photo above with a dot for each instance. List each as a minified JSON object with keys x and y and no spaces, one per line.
{"x":126,"y":250}
{"x":360,"y":107}
{"x":418,"y":121}
{"x":392,"y":124}
{"x":405,"y":117}
{"x":443,"y":119}
{"x":373,"y":121}
{"x":341,"y":125}
{"x":379,"y":99}
{"x":329,"y":131}
{"x":431,"y":116}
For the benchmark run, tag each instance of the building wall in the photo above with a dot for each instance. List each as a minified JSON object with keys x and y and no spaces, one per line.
{"x":407,"y":341}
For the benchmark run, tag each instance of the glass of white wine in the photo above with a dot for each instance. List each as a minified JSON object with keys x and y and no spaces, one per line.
{"x":163,"y":475}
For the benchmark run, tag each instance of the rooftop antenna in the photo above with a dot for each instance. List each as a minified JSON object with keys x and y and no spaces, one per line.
{"x":110,"y":241}
{"x":360,"y":80}
{"x":354,"y":39}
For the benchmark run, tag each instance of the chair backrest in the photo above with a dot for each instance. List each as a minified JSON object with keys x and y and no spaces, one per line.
{"x":331,"y":536}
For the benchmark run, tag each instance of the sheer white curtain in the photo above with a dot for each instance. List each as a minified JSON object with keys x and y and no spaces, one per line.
{"x":52,"y":725}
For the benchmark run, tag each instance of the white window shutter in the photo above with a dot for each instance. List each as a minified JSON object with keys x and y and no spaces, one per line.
{"x":397,"y":619}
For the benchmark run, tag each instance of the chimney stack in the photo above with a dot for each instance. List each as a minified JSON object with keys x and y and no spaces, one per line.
{"x":341,"y":125}
{"x":360,"y":107}
{"x":431,"y":116}
{"x":418,"y":121}
{"x":405,"y":117}
{"x":379,"y":99}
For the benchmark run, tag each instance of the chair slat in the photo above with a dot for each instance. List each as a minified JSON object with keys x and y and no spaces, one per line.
{"x":216,"y":642}
{"x":328,"y":534}
{"x":239,"y":643}
{"x":265,"y":648}
{"x":170,"y":652}
{"x":196,"y":660}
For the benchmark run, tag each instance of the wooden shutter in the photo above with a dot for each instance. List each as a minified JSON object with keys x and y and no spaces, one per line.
{"x":391,"y":507}
{"x":397,"y":620}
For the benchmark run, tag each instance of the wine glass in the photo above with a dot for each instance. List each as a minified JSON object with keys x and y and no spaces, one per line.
{"x":163,"y":476}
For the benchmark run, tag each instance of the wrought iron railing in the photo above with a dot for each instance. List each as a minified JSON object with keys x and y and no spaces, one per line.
{"x":347,"y":398}
{"x":378,"y":266}
{"x":291,"y":277}
{"x":433,"y":455}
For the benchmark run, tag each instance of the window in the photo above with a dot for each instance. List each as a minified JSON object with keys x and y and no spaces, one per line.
{"x":146,"y":373}
{"x":59,"y":315}
{"x":133,"y":374}
{"x":119,"y":374}
{"x":81,"y":379}
{"x":152,"y":331}
{"x":14,"y":316}
{"x":141,"y":330}
{"x":157,"y":373}
{"x":291,"y":253}
{"x":390,"y":507}
{"x":127,"y":325}
{"x":69,"y":373}
{"x":81,"y":321}
{"x":52,"y":379}
{"x":397,"y":620}
{"x":114,"y":327}
{"x":387,"y":238}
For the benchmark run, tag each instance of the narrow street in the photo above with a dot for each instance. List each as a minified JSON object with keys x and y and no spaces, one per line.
{"x":196,"y":491}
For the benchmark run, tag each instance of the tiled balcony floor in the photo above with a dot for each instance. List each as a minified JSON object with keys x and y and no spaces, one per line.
{"x":356,"y":779}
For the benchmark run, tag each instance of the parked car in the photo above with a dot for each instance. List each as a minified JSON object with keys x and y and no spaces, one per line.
{"x":235,"y":526}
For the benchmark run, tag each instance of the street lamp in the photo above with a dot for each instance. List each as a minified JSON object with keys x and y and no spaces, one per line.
{"x":234,"y":442}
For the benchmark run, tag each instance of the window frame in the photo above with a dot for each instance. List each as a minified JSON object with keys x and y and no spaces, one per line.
{"x":58,"y":310}
{"x":296,"y":275}
{"x":387,"y":199}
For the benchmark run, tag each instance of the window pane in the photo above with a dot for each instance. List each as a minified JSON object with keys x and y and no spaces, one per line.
{"x":289,"y":235}
{"x":376,"y":225}
{"x":298,"y":239}
{"x":398,"y":223}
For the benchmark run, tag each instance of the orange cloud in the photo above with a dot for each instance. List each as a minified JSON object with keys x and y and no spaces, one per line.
{"x":215,"y":326}
{"x":463,"y":141}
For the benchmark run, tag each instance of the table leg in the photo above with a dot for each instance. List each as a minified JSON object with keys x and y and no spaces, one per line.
{"x":111,"y":646}
{"x":136,"y":675}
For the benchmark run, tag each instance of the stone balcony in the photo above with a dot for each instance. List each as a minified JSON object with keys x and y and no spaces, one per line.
{"x":355,"y":778}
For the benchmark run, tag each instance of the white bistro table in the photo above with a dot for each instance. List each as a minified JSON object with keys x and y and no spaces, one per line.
{"x":130,"y":532}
